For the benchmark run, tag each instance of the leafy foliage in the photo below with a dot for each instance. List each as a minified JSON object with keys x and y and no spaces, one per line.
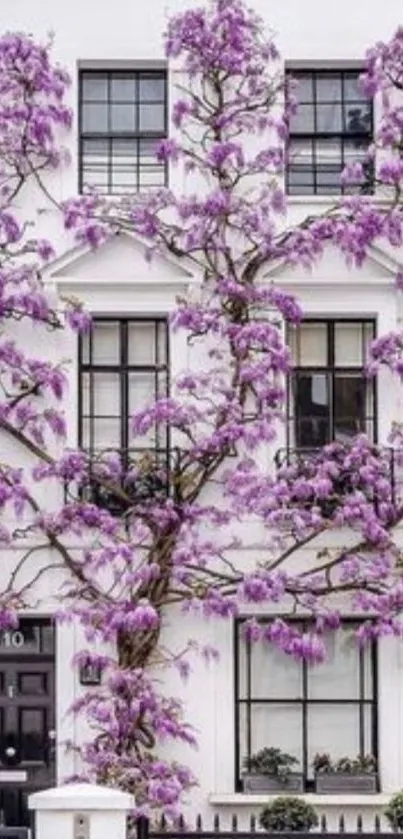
{"x":361,"y":765}
{"x":394,"y":811}
{"x":270,"y":761}
{"x":288,"y":814}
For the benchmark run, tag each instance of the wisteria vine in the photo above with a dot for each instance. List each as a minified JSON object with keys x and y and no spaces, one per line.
{"x":155,"y":552}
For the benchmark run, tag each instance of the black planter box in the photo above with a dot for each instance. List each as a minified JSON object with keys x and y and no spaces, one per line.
{"x":328,"y":783}
{"x":252,"y":782}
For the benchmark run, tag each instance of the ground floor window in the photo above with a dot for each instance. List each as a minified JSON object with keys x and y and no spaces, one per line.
{"x":305,"y":709}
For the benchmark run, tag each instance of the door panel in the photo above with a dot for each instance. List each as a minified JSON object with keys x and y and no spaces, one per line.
{"x":27,"y":717}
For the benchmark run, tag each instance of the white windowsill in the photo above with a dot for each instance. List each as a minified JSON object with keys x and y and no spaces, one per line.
{"x":240,"y":799}
{"x":330,"y":199}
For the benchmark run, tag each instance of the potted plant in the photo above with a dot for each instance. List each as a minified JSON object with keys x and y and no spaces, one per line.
{"x":270,"y":771}
{"x":345,"y":775}
{"x":288,"y":815}
{"x":394,"y":812}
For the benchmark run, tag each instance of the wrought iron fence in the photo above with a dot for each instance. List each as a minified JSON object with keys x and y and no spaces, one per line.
{"x":363,"y":825}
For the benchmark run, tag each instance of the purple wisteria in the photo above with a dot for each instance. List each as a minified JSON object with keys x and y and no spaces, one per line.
{"x":146,"y":536}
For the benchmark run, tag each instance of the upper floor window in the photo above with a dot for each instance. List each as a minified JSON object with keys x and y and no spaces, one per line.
{"x":305,"y":709}
{"x":123,"y":369}
{"x":333,"y":126}
{"x":330,"y":398}
{"x":122,"y":116}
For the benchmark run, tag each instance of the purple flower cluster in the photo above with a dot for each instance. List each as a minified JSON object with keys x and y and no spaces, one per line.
{"x":146,"y":537}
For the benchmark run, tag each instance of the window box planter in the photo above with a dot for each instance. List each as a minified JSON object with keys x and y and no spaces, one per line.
{"x":254,"y":782}
{"x":328,"y":783}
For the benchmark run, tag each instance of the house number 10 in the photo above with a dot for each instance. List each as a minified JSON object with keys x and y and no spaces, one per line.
{"x":13,"y":639}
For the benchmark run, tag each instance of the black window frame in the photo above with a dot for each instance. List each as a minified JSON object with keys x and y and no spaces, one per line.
{"x":110,"y":135}
{"x":331,"y":370}
{"x":304,"y":701}
{"x":123,"y":368}
{"x":342,"y":136}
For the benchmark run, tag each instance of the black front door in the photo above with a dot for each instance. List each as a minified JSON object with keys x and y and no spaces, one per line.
{"x":27,"y":716}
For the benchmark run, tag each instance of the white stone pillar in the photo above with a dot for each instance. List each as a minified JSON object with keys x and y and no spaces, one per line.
{"x":81,"y":811}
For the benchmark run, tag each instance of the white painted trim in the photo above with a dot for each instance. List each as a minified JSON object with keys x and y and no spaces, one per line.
{"x":240,"y":799}
{"x":81,"y":797}
{"x":186,"y":269}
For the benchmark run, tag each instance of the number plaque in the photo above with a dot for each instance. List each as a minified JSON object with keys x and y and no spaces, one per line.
{"x":20,"y":640}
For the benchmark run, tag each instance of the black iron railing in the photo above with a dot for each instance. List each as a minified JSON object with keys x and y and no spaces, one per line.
{"x":390,"y":466}
{"x":365,"y":826}
{"x":118,"y":480}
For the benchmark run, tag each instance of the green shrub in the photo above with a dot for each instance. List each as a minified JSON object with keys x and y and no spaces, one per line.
{"x":288,"y":814}
{"x":394,"y":811}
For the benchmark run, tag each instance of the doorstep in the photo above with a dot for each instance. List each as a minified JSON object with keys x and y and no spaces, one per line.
{"x":240,"y":799}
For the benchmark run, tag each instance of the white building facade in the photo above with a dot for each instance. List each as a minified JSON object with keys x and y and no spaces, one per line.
{"x":121,"y":93}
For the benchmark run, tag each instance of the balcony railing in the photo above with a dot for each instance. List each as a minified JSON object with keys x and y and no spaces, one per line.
{"x":117,"y":480}
{"x":387,"y":461}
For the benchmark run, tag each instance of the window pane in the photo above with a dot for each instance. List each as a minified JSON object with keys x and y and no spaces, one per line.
{"x":355,"y":150}
{"x":95,"y":181}
{"x":300,"y":189}
{"x":123,"y":117}
{"x":334,"y":729}
{"x":274,"y":674}
{"x":95,"y":163}
{"x":300,"y":162}
{"x":277,"y":725}
{"x":107,"y":433}
{"x":304,"y":86}
{"x":124,"y":179}
{"x":125,"y":152}
{"x":301,"y":180}
{"x":124,"y":165}
{"x":123,"y":87}
{"x":311,"y":345}
{"x":328,"y":153}
{"x":105,"y":343}
{"x":152,"y":118}
{"x":142,"y":395}
{"x":328,"y":176}
{"x":328,"y":87}
{"x":141,"y":390}
{"x":142,"y":343}
{"x":106,"y":394}
{"x":357,"y":118}
{"x":311,"y":395}
{"x":349,"y":405}
{"x":338,"y":677}
{"x":348,"y":348}
{"x":95,"y":117}
{"x":147,"y":152}
{"x":94,"y":87}
{"x":303,"y":121}
{"x":352,"y":90}
{"x":151,"y":89}
{"x":329,"y":118}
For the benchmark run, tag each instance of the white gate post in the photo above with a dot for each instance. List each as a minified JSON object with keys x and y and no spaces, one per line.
{"x":81,"y":811}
